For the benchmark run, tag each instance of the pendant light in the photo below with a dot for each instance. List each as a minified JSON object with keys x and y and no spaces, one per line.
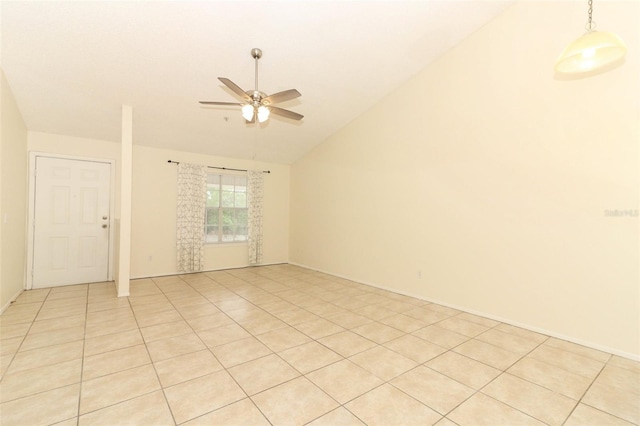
{"x":593,"y":51}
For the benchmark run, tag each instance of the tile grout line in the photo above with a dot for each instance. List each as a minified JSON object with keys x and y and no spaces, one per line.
{"x":223,"y":366}
{"x":292,"y":326}
{"x":101,"y":353}
{"x":376,"y":344}
{"x":250,"y":397}
{"x":153,"y":363}
{"x":502,"y":372}
{"x":25,"y":335}
{"x":604,"y":365}
{"x":241,"y":285}
{"x":450,"y":378}
{"x":301,"y":375}
{"x":164,"y":395}
{"x":84,"y":342}
{"x":344,"y":358}
{"x":49,"y":293}
{"x":216,"y":358}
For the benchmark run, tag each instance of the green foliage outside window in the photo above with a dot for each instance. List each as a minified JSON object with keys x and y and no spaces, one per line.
{"x":226,"y":218}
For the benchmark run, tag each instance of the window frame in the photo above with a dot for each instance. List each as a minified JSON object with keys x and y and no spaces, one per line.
{"x":220,"y":225}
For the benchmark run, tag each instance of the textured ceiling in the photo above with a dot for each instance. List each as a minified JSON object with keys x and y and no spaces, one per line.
{"x":71,"y":65}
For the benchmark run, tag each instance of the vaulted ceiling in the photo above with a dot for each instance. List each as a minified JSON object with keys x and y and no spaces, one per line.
{"x":71,"y":65}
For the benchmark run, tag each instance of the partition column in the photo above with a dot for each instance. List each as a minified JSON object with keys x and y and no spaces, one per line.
{"x":124,"y":223}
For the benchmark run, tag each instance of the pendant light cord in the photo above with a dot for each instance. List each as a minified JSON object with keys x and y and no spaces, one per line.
{"x":590,"y":24}
{"x":592,"y":51}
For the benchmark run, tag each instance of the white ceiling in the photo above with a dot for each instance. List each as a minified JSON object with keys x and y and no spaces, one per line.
{"x":71,"y":65}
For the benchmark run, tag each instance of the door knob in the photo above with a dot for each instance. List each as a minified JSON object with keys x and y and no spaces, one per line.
{"x":104,"y":218}
{"x":104,"y":226}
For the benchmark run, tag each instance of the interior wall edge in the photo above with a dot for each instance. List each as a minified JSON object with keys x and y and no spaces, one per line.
{"x":13,"y":195}
{"x":550,"y":333}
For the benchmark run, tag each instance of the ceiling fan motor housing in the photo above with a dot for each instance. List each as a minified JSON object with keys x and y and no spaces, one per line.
{"x":256,"y":95}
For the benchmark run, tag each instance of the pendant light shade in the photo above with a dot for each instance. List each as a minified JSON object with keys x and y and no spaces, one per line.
{"x":595,"y":49}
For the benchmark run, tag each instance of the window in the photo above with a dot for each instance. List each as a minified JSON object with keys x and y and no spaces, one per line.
{"x":226,"y":218}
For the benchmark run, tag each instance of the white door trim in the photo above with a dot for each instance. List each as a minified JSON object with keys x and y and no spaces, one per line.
{"x":31,"y":218}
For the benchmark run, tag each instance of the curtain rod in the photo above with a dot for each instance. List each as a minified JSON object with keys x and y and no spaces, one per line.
{"x":222,"y":168}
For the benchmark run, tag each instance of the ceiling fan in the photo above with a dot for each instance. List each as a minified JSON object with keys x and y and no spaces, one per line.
{"x":256,"y":103}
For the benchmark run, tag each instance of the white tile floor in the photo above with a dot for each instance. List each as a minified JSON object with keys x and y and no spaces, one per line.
{"x":284,"y":345}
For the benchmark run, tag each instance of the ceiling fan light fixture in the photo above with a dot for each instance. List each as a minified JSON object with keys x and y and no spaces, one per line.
{"x":592,"y":51}
{"x":263,"y":114}
{"x":247,"y":112}
{"x":257,"y":104}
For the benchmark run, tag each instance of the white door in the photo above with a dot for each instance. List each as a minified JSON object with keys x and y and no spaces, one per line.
{"x":71,"y":222}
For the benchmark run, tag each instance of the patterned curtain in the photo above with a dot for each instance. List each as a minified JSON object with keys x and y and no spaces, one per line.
{"x":192,"y":196}
{"x":255,"y":189}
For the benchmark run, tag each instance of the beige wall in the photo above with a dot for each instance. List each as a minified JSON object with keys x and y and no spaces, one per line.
{"x":483,"y":182}
{"x":153,"y":235}
{"x":13,"y":197}
{"x":154,"y":213}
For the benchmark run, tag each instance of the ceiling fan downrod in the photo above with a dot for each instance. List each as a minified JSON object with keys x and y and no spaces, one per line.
{"x":257,"y":54}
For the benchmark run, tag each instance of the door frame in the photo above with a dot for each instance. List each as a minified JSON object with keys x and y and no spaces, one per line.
{"x":33,"y":155}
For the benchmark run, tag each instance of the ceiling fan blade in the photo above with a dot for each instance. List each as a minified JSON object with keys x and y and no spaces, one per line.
{"x":219,"y":103}
{"x":281,"y":97}
{"x":235,"y":88}
{"x":286,"y":113}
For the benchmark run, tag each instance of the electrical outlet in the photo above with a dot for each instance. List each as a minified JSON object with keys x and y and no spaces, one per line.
{"x":419,"y":273}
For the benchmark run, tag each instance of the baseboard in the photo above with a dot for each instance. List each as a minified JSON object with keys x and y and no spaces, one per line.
{"x":550,"y":333}
{"x":227,"y":268}
{"x":13,"y":299}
